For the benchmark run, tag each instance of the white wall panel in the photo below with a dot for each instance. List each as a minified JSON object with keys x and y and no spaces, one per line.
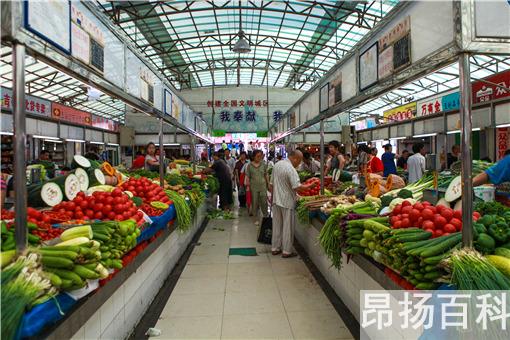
{"x":502,"y":114}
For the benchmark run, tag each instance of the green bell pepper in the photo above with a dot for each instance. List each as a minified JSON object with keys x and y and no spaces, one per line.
{"x":499,"y":232}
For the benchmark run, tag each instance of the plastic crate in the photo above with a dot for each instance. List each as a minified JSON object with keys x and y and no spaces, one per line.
{"x":158,"y":223}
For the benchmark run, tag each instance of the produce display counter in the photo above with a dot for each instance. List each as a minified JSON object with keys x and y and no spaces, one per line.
{"x":360,"y":273}
{"x":114,"y":310}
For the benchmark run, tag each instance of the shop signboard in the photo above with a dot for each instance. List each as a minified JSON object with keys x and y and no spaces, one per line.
{"x":403,"y":112}
{"x":50,"y":20}
{"x":385,"y":64}
{"x":484,"y":91}
{"x":502,"y":142}
{"x":335,"y":89}
{"x":69,"y":114}
{"x":104,"y":123}
{"x":395,"y":48}
{"x":360,"y":124}
{"x":368,"y":67}
{"x":33,"y":105}
{"x":396,"y":33}
{"x":429,"y":106}
{"x":451,"y":102}
{"x":237,"y":103}
{"x":80,"y":43}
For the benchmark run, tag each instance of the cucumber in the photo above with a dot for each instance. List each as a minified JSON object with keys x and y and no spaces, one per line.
{"x":415,"y":237}
{"x":442,"y":247}
{"x":433,"y":260}
{"x":71,"y":255}
{"x":426,"y":286}
{"x":80,"y":162}
{"x":46,"y":194}
{"x":432,"y":275}
{"x":67,"y":275}
{"x":85,"y":273}
{"x":83,"y":178}
{"x":57,"y":262}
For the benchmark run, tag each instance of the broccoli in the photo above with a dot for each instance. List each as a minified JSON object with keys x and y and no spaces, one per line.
{"x":405,"y":193}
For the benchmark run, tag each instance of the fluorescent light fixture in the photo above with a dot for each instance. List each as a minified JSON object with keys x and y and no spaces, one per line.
{"x":53,"y":141}
{"x":378,"y":140}
{"x":171,"y":144}
{"x":97,"y":143}
{"x":361,"y":143}
{"x":397,"y":138}
{"x":44,"y":137}
{"x":503,"y":125}
{"x":453,"y":132}
{"x":475,"y":129}
{"x":425,"y":135}
{"x":112,"y":144}
{"x":6,"y":133}
{"x":75,"y":140}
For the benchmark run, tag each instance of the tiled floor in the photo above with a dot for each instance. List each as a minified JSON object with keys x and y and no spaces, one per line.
{"x":246,"y":297}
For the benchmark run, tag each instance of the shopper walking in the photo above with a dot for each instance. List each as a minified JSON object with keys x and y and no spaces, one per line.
{"x":257,"y":183}
{"x":284,"y":185}
{"x":249,"y":148}
{"x":416,"y":163}
{"x":151,"y":159}
{"x":239,"y":179}
{"x":363,"y":157}
{"x":388,"y":160}
{"x":231,"y":162}
{"x":402,"y":161}
{"x":337,"y":159}
{"x":223,"y":174}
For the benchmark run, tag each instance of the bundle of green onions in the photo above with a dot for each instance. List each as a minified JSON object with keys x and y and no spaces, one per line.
{"x":22,"y":283}
{"x":330,"y":237}
{"x":471,"y":271}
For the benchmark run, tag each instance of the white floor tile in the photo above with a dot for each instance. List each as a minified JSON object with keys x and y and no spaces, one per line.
{"x":251,"y":284}
{"x":291,"y":267}
{"x":292,"y":282}
{"x":194,"y":305}
{"x":204,"y":285}
{"x":256,"y":326}
{"x":208,"y":259}
{"x":310,"y":299}
{"x":318,"y":325}
{"x":250,"y":269}
{"x":253,"y":302}
{"x":248,"y":259}
{"x":211,"y":249}
{"x":200,"y":327}
{"x":204,"y":270}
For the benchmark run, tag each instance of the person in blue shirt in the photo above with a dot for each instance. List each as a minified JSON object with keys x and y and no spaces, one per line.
{"x":388,"y":160}
{"x":496,"y":174}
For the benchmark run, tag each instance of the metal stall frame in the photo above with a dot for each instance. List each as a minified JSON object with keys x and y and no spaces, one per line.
{"x":465,"y":42}
{"x":24,"y":42}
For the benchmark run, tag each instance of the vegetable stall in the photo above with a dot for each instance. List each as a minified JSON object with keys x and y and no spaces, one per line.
{"x":83,"y":234}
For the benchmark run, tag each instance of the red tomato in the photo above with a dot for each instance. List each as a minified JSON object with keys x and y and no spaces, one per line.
{"x":111,"y":215}
{"x":62,"y":211}
{"x":90,"y":213}
{"x":98,"y":215}
{"x":419,"y":222}
{"x":414,"y":215}
{"x":439,"y":208}
{"x":418,"y":206}
{"x":81,"y":194}
{"x":476,"y":216}
{"x":427,"y":214}
{"x":99,"y":207}
{"x":428,"y":225}
{"x":438,"y":232}
{"x":131,"y":188}
{"x":394,"y":219}
{"x":117,"y":200}
{"x":32,"y":220}
{"x":439,"y":221}
{"x":404,"y":216}
{"x":116,"y":192}
{"x":139,"y":214}
{"x":456,"y":223}
{"x":108,"y":200}
{"x":119,"y":217}
{"x":31,"y":212}
{"x":84,"y":205}
{"x":426,"y":204}
{"x":458,"y":214}
{"x":126,"y":215}
{"x":447,"y":213}
{"x":446,"y":234}
{"x":449,"y":228}
{"x":406,"y":223}
{"x":78,"y":215}
{"x":406,"y":204}
{"x":106,"y":209}
{"x":397,"y":209}
{"x":406,"y":209}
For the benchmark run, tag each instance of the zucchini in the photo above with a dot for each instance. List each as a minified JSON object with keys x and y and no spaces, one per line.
{"x":57,"y":262}
{"x":442,"y":247}
{"x":46,"y":194}
{"x":80,"y":162}
{"x":83,"y":178}
{"x":70,"y":185}
{"x":71,"y":255}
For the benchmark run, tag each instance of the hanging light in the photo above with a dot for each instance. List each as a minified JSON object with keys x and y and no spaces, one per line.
{"x":242,"y":45}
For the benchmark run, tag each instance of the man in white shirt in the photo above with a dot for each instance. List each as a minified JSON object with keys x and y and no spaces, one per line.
{"x":416,"y":163}
{"x":284,"y":185}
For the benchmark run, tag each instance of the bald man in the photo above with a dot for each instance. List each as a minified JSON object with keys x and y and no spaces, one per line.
{"x":284,"y":186}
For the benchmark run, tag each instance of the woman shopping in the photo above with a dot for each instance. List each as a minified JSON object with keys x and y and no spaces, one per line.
{"x":257,"y":182}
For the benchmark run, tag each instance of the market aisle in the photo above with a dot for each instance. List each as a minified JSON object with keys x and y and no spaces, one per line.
{"x":243,"y":297}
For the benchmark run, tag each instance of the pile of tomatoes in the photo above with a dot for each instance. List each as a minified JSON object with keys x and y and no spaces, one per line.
{"x":315,"y":190}
{"x":43,"y":220}
{"x":147,"y":190}
{"x":439,"y":220}
{"x":114,"y":206}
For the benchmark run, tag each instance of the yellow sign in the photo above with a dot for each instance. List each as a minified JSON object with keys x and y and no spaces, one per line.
{"x":403,"y":112}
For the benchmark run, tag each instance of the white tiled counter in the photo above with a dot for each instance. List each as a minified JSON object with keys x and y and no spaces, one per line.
{"x":117,"y":317}
{"x":347,"y":282}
